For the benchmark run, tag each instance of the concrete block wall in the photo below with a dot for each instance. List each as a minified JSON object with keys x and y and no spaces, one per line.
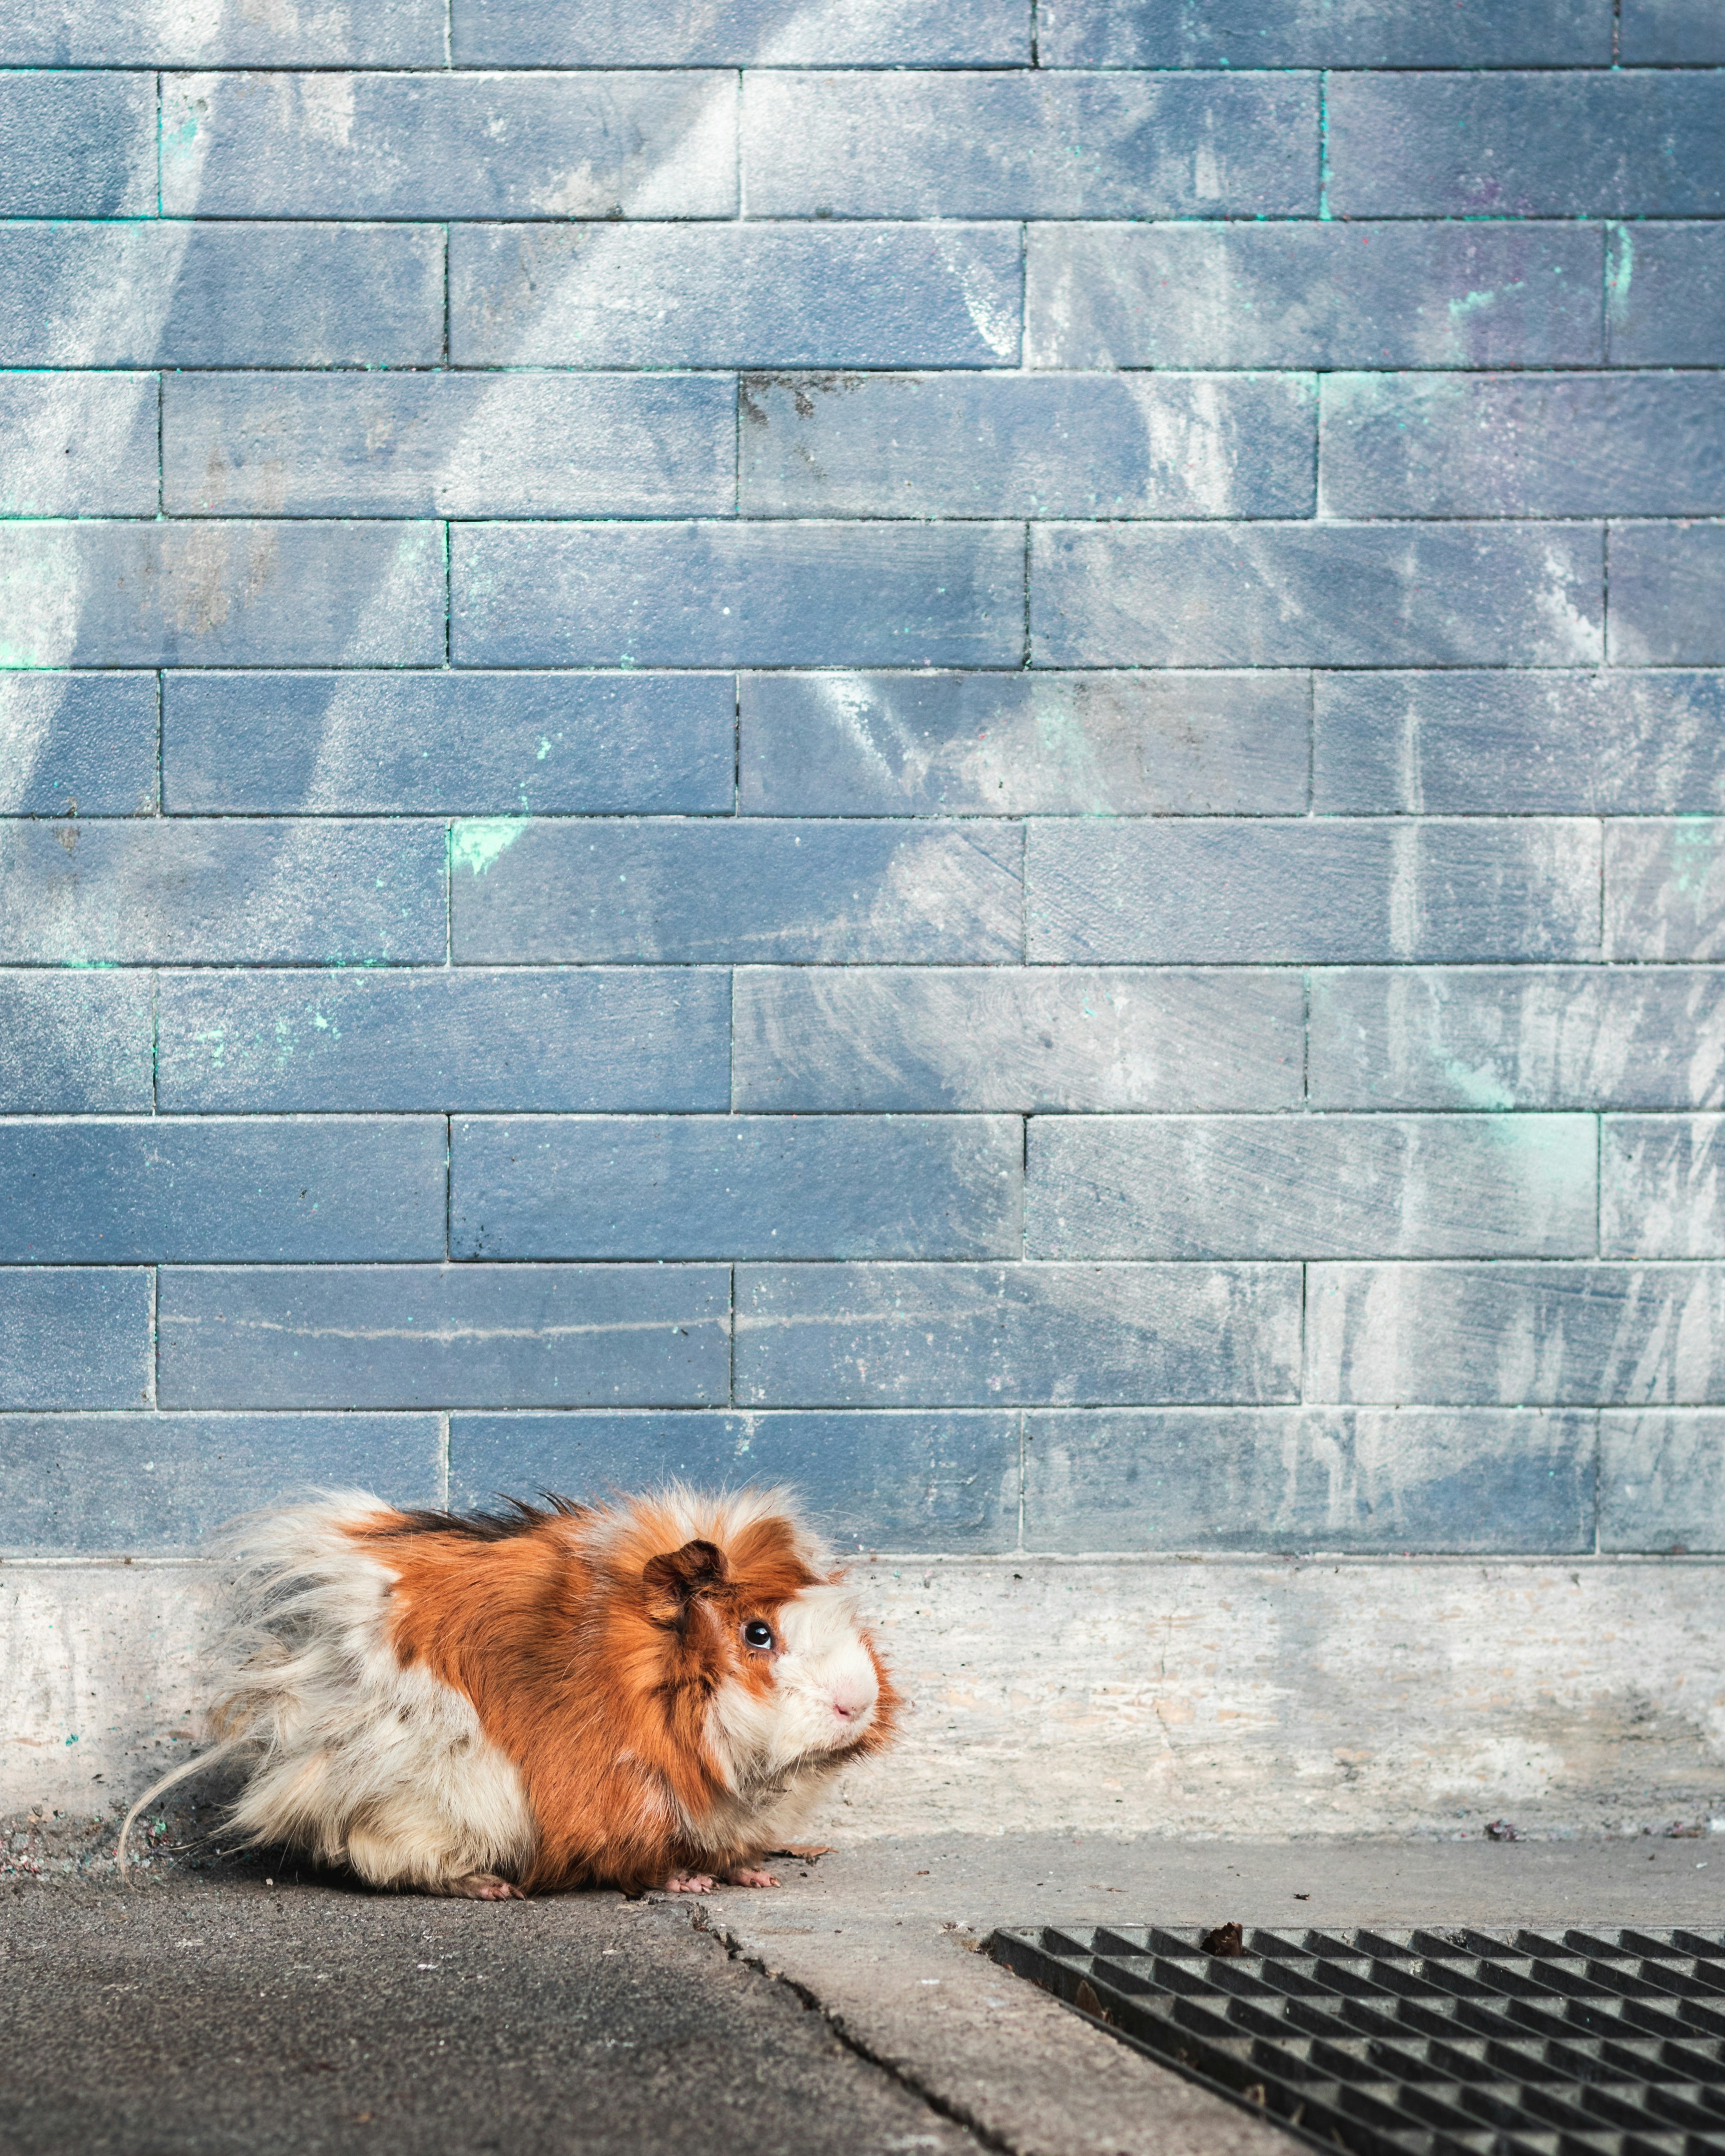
{"x":971,"y":752}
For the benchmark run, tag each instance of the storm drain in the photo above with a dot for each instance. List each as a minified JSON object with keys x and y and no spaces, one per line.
{"x":1417,"y":2043}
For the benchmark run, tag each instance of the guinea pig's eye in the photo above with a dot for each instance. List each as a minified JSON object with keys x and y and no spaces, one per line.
{"x":757,"y":1633}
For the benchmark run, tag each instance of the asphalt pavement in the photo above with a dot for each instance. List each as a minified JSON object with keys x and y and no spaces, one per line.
{"x":216,"y":2013}
{"x":236,"y":2008}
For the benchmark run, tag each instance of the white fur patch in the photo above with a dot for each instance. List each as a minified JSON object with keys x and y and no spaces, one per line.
{"x":785,"y":1742}
{"x":357,"y":1760}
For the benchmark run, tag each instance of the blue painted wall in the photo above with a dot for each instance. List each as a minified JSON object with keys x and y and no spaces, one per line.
{"x":972,"y":751}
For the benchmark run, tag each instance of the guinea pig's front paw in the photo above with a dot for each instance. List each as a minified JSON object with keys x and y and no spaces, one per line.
{"x":749,"y":1875}
{"x":486,"y":1887}
{"x":690,"y":1883}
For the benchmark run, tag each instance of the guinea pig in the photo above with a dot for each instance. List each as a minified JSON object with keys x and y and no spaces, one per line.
{"x":647,"y":1694}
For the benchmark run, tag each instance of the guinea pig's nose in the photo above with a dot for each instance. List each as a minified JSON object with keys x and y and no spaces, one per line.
{"x":849,"y":1705}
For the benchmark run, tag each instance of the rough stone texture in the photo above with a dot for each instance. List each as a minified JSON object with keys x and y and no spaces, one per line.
{"x":1008,"y":144}
{"x":657,"y":145}
{"x":1097,"y":1698}
{"x":768,"y":32}
{"x":227,"y":2008}
{"x":1364,"y":294}
{"x":928,"y":743}
{"x":892,"y":744}
{"x":742,"y":1186}
{"x":1572,"y":142}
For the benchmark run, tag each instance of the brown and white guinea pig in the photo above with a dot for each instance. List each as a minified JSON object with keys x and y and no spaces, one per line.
{"x":647,"y":1694}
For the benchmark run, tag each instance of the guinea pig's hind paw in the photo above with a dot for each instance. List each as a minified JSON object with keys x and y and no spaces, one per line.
{"x":746,"y":1875}
{"x":690,"y":1883}
{"x":486,"y":1887}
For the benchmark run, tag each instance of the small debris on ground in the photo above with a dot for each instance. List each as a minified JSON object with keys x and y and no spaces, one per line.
{"x":1501,"y":1830}
{"x":1225,"y":1939}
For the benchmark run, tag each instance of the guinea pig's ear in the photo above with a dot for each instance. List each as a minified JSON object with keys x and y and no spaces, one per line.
{"x":673,"y":1578}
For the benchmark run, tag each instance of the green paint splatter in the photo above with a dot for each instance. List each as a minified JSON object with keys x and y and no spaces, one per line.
{"x":1692,"y":853}
{"x":477,"y":843}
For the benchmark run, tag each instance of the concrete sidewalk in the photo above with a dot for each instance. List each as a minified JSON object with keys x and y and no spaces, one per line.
{"x":215,"y":2011}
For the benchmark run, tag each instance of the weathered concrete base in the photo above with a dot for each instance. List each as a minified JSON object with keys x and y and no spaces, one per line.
{"x":1106,"y":1695}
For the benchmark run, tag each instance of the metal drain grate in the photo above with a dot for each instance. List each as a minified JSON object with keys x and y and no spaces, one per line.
{"x":1421,"y":2043}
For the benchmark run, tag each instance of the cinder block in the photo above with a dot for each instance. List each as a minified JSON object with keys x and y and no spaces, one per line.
{"x":247,"y":294}
{"x":1104,"y":445}
{"x":1029,"y":145}
{"x":311,"y":743}
{"x":736,"y":891}
{"x":1659,"y":1187}
{"x":734,"y":295}
{"x":438,"y":144}
{"x":1317,"y":595}
{"x":1667,"y":586}
{"x":74,"y":744}
{"x":1536,"y":743}
{"x":1517,"y":1037}
{"x":845,"y":594}
{"x":1291,"y":1480}
{"x":169,"y":34}
{"x":1614,"y":142}
{"x":1519,"y":1334}
{"x":723,"y":893}
{"x":1357,"y":294}
{"x":275,"y":1190}
{"x":454,"y":1336}
{"x":919,"y":744}
{"x":736,"y":1186}
{"x":448,"y":445}
{"x":1665,"y":890}
{"x":592,"y":1455}
{"x":1662,"y":1480}
{"x":1665,"y":294}
{"x":930,"y":1482}
{"x":209,"y":893}
{"x":77,"y":445}
{"x":1522,"y":445}
{"x":210,"y":593}
{"x":1672,"y":32}
{"x":1006,"y":1037}
{"x":74,"y":1336}
{"x":151,"y":1483}
{"x":957,"y":1335}
{"x":1323,"y":892}
{"x":77,"y":143}
{"x":743,"y":32}
{"x":1311,"y":1187}
{"x":1316,"y":33}
{"x":355,"y":1038}
{"x":75,"y":1044}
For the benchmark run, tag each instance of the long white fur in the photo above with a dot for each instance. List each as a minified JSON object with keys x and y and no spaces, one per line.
{"x":353,"y":1759}
{"x":358,"y":1761}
